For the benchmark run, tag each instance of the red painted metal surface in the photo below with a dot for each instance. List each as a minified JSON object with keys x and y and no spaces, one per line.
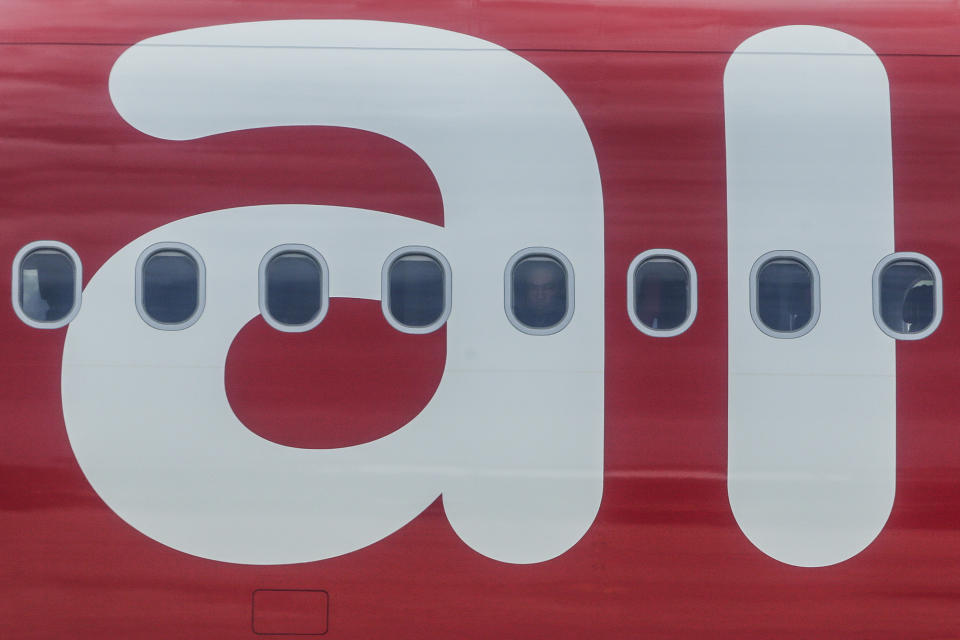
{"x":665,"y":557}
{"x":320,"y":377}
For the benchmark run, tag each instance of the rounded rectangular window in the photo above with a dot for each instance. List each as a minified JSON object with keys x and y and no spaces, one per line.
{"x":907,"y":296}
{"x":293,"y":288}
{"x":785,"y":294}
{"x":662,"y":292}
{"x":416,"y":289}
{"x":170,"y":286}
{"x":46,"y":284}
{"x":539,"y":291}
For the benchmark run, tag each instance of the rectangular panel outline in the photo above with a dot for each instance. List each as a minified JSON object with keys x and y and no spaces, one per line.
{"x":253,"y":599}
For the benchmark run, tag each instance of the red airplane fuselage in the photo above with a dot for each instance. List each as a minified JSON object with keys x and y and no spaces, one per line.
{"x":664,"y":555}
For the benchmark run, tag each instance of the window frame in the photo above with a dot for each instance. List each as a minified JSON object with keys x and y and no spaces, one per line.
{"x":909,"y":256}
{"x":761,"y":262}
{"x":385,"y":289}
{"x":687,"y":264}
{"x":324,"y":284}
{"x":531,"y":252}
{"x":148,"y":253}
{"x":15,"y":288}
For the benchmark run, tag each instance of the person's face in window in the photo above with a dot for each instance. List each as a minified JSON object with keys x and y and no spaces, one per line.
{"x":540,"y":292}
{"x":542,"y":287}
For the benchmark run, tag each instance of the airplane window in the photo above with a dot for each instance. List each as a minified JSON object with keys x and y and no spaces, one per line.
{"x":785,"y":293}
{"x":47,"y":284}
{"x":416,"y":295}
{"x":540,"y":291}
{"x":293,"y":288}
{"x":908,"y":291}
{"x":170,"y":286}
{"x":662,"y":294}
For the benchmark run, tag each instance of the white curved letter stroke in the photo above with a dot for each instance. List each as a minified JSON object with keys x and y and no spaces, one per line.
{"x":513,"y":437}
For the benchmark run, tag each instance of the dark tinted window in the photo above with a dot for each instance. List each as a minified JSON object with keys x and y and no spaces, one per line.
{"x":661,"y":290}
{"x":784,"y":295}
{"x":170,"y":286}
{"x":539,"y":292}
{"x":294,"y":285}
{"x":47,"y":285}
{"x":416,"y":290}
{"x":907,"y":296}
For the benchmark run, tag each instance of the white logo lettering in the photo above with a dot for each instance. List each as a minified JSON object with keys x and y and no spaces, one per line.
{"x":513,"y":437}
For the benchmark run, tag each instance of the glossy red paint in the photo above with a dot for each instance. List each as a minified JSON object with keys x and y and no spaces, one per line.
{"x":665,"y":557}
{"x":354,"y":358}
{"x":289,"y":612}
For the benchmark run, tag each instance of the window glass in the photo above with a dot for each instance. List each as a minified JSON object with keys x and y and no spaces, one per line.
{"x":416,"y":288}
{"x":47,"y":285}
{"x":907,"y":296}
{"x":784,"y":295}
{"x":661,"y":290}
{"x":539,"y":291}
{"x":170,"y":286}
{"x":294,"y":283}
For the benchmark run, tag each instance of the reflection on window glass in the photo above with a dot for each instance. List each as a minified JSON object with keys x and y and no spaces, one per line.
{"x":47,"y":285}
{"x":785,"y":294}
{"x":294,"y":285}
{"x":171,"y":286}
{"x":539,"y":292}
{"x":416,"y":290}
{"x":907,"y":296}
{"x":661,"y":290}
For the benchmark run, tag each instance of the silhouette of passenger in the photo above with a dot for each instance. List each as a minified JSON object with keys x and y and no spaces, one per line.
{"x":661,"y":293}
{"x":47,"y":287}
{"x":539,"y":292}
